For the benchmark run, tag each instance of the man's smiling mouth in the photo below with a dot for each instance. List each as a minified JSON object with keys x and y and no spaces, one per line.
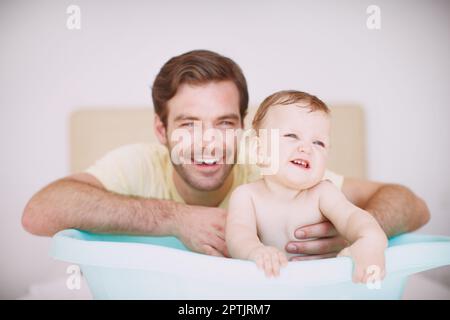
{"x":206,"y":161}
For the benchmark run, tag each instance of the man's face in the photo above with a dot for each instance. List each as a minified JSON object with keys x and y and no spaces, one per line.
{"x":198,"y":118}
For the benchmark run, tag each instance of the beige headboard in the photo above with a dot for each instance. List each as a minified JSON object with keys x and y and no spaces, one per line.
{"x":93,"y":132}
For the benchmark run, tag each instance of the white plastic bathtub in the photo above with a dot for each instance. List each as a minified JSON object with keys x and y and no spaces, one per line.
{"x":134,"y":267}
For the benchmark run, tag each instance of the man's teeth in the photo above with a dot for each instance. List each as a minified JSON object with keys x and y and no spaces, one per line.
{"x":208,"y":161}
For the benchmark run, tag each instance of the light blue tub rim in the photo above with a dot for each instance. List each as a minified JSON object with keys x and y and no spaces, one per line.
{"x":407,"y":254}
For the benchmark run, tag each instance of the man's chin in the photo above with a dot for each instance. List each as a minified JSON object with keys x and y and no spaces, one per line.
{"x":207,"y":186}
{"x":204,"y":181}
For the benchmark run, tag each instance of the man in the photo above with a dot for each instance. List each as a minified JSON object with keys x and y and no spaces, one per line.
{"x":138,"y":189}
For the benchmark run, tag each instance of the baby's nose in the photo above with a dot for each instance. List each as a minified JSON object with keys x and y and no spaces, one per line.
{"x":304,"y":147}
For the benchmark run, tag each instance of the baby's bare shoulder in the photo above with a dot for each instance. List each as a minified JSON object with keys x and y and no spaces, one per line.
{"x":329,"y":194}
{"x":249,"y":190}
{"x":325,"y":188}
{"x":244,"y":190}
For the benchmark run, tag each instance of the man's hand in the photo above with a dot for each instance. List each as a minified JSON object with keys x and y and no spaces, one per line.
{"x":202,"y":229}
{"x":395,"y":207}
{"x":319,"y":241}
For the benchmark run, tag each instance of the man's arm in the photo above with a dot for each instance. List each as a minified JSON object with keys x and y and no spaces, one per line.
{"x":396,"y":208}
{"x":80,"y":201}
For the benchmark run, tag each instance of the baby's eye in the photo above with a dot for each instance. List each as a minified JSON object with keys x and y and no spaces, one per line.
{"x":290,"y":135}
{"x":320,"y":143}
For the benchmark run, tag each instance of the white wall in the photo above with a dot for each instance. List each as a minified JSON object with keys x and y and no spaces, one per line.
{"x":399,"y":74}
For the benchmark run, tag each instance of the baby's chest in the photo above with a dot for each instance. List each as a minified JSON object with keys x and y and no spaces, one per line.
{"x":280,"y":220}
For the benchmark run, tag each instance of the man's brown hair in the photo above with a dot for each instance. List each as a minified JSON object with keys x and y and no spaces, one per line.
{"x":196,"y":67}
{"x":286,"y":97}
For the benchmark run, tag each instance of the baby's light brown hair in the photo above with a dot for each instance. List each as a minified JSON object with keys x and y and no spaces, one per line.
{"x":286,"y":97}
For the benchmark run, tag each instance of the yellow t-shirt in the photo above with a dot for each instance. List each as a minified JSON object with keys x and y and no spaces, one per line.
{"x":145,"y":170}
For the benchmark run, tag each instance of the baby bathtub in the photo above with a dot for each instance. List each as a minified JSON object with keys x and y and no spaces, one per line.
{"x":141,"y":267}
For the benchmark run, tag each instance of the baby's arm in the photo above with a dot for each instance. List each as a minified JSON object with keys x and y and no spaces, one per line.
{"x":368,"y":240}
{"x":242,"y":236}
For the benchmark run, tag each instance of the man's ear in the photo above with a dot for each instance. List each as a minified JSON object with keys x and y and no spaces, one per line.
{"x":160,"y":130}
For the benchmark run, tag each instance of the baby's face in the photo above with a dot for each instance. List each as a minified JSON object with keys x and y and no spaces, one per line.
{"x":303,"y":144}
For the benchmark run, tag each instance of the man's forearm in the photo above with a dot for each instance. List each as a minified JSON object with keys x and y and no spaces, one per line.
{"x":72,"y":204}
{"x":397,"y":209}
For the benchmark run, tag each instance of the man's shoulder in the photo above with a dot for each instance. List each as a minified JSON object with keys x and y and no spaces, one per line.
{"x":142,"y":149}
{"x":145,"y":147}
{"x":134,"y":157}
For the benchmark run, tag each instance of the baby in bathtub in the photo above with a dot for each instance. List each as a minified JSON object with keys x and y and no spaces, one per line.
{"x":263,"y":215}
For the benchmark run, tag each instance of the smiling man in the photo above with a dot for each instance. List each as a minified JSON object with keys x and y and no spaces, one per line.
{"x":140,"y":189}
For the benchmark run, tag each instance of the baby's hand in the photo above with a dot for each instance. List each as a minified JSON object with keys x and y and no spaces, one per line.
{"x":369,"y":260}
{"x":269,"y":258}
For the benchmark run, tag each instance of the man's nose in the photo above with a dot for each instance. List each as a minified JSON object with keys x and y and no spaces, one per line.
{"x":207,"y":136}
{"x":200,"y":138}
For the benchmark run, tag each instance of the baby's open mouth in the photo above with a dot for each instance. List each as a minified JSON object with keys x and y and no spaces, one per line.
{"x":302,"y":163}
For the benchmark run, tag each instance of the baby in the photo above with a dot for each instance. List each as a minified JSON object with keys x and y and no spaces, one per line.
{"x":263,"y":215}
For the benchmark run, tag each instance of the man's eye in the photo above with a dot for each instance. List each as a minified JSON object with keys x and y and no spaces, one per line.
{"x":226,"y":123}
{"x":290,"y":135}
{"x":320,"y":143}
{"x":187,"y":124}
